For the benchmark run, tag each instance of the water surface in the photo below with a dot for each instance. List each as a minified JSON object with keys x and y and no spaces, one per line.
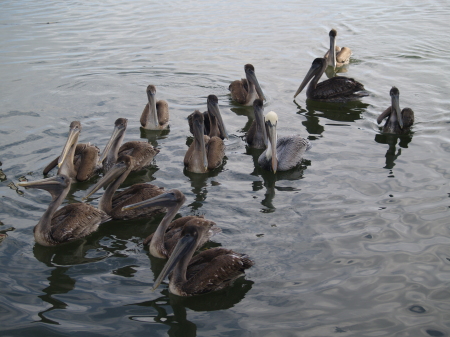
{"x":355,"y":242}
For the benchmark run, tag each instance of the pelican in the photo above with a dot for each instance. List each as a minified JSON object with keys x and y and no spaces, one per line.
{"x":336,"y":56}
{"x":73,"y":221}
{"x":77,"y":161}
{"x":166,"y":236}
{"x":213,"y":122}
{"x":256,"y":136}
{"x":142,"y":152}
{"x":205,"y":153}
{"x":156,"y":113}
{"x":245,"y":91}
{"x":281,"y":154}
{"x":112,"y":203}
{"x":399,"y":122}
{"x":211,"y":270}
{"x":335,"y":89}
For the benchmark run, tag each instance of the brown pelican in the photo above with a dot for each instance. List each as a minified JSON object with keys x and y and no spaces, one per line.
{"x":281,"y":154}
{"x":112,"y":203}
{"x":71,"y":222}
{"x":205,"y":153}
{"x":245,"y":91}
{"x":335,"y":89}
{"x":256,"y":136}
{"x":156,"y":113}
{"x":213,"y":122}
{"x":399,"y":122}
{"x":142,"y":152}
{"x":77,"y":161}
{"x":336,"y":56}
{"x":166,"y":236}
{"x":211,"y":270}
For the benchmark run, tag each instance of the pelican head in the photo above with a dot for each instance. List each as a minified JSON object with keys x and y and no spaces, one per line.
{"x":72,"y":140}
{"x":395,"y":104}
{"x":120,"y":126}
{"x":124,"y":163}
{"x":53,"y":185}
{"x":172,"y":198}
{"x":153,"y":116}
{"x":251,"y":78}
{"x":198,"y":125}
{"x":182,"y":252}
{"x":318,"y":67}
{"x":214,"y":114}
{"x":271,"y":120}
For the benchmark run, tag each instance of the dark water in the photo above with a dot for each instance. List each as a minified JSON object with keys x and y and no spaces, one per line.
{"x":356,"y":242}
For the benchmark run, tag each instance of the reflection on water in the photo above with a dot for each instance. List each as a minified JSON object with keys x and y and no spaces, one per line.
{"x":392,"y":153}
{"x":346,"y":248}
{"x":178,"y":322}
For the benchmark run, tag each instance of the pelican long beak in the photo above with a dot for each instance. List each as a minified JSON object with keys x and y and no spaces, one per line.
{"x":259,"y":117}
{"x":198,"y":137}
{"x":162,"y":200}
{"x":153,"y":116}
{"x":251,"y":77}
{"x":213,"y":108}
{"x":111,"y":175}
{"x":183,"y":247}
{"x":395,"y":99}
{"x":308,"y":77}
{"x":272,"y":135}
{"x":332,"y":53}
{"x":72,"y":140}
{"x":41,"y":183}
{"x":117,"y":132}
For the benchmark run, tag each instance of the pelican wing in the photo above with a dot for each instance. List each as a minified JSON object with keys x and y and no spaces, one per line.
{"x":132,"y":195}
{"x":76,"y":220}
{"x":408,"y":118}
{"x":162,"y":110}
{"x":239,"y":89}
{"x":86,"y":161}
{"x":214,"y":269}
{"x":78,"y":150}
{"x":215,"y":149}
{"x":142,"y":153}
{"x":290,"y":151}
{"x":206,"y":122}
{"x":343,"y":56}
{"x":337,"y":87}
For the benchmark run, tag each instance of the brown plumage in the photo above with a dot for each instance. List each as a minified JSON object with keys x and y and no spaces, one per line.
{"x":212,"y":120}
{"x":245,"y":91}
{"x":336,"y":56}
{"x":142,"y":152}
{"x":205,"y":153}
{"x":77,"y":161}
{"x":112,"y":203}
{"x":71,"y":222}
{"x":156,"y":113}
{"x":210,"y":270}
{"x":335,"y":89}
{"x":163,"y":240}
{"x":256,"y":136}
{"x":398,"y":121}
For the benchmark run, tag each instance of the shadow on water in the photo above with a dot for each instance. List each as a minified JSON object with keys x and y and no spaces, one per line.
{"x":199,"y":183}
{"x":339,"y":112}
{"x":178,"y":323}
{"x":244,"y":111}
{"x":154,"y":135}
{"x":270,"y":179}
{"x":392,"y":152}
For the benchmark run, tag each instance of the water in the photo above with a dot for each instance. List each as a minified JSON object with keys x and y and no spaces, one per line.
{"x":353,"y":243}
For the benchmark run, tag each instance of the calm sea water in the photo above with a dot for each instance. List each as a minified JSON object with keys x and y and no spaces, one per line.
{"x":356,"y":242}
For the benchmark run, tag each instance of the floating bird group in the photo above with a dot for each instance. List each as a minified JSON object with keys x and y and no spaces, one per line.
{"x":178,"y":240}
